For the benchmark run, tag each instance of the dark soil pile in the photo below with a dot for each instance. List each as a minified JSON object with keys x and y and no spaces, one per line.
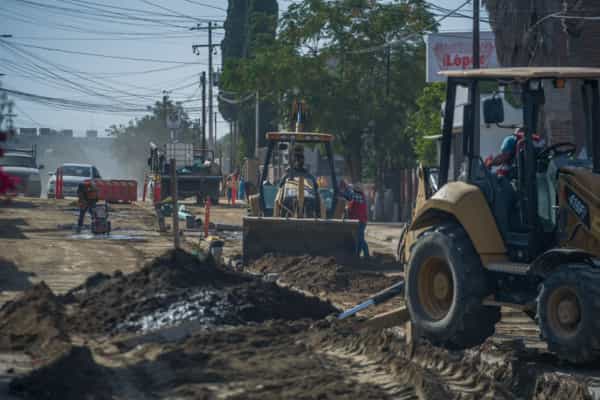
{"x":74,"y":376}
{"x":34,"y":323}
{"x":267,"y":361}
{"x":322,"y":274}
{"x":172,"y":289}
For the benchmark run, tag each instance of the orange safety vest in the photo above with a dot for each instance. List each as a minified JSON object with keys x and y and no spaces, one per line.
{"x":89,"y":195}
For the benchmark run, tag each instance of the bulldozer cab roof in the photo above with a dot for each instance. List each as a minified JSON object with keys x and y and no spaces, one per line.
{"x":306,"y":137}
{"x":525,"y":73}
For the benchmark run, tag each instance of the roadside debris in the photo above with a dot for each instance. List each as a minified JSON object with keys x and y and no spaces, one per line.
{"x":34,"y":323}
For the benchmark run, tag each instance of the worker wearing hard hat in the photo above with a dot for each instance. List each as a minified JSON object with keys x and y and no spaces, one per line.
{"x":357,"y":209}
{"x":298,"y":168}
{"x":88,"y":197}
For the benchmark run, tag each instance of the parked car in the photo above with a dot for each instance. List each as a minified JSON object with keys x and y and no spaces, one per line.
{"x":73,"y":175}
{"x":21,"y":164}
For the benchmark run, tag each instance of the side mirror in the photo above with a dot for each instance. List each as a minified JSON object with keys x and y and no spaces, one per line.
{"x":493,"y":111}
{"x":41,"y":166}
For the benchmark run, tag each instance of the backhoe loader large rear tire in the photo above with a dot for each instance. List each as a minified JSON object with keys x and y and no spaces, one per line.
{"x":445,"y":286}
{"x":568,"y":311}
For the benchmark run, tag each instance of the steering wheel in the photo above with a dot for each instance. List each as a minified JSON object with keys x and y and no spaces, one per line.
{"x":558,"y":149}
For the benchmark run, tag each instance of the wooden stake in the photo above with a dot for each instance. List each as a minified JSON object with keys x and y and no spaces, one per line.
{"x":174,"y":202}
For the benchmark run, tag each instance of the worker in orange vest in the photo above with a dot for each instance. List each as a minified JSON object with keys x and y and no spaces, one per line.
{"x":88,"y":197}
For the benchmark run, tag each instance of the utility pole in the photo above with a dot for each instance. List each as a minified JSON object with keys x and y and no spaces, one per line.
{"x":231,"y":145}
{"x":210,"y":86}
{"x":256,"y":125}
{"x":215,"y":128}
{"x":176,"y":242}
{"x":210,"y":46}
{"x":475,"y":97}
{"x":203,"y":83}
{"x":165,"y":99}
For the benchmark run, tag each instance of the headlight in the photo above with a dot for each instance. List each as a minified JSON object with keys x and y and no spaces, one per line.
{"x":34,"y":177}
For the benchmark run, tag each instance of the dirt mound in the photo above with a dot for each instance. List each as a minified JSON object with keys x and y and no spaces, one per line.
{"x":74,"y":376}
{"x":267,"y":361}
{"x":322,"y":274}
{"x":177,"y":287}
{"x":34,"y":322}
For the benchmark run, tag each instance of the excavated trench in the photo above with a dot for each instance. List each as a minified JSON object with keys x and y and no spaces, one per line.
{"x":245,"y":338}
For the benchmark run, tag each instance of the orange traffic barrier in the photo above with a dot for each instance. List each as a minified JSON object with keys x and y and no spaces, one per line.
{"x":145,"y":188}
{"x":132,"y":192}
{"x":58,"y":183}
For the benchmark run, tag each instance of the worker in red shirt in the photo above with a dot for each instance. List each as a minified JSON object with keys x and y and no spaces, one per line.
{"x":508,"y":152}
{"x":357,"y":209}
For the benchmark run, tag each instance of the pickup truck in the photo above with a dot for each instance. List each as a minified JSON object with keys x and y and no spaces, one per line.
{"x":21,"y":164}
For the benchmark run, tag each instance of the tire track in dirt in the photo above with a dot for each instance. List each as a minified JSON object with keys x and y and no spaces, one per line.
{"x":429,"y":372}
{"x":363,"y":370}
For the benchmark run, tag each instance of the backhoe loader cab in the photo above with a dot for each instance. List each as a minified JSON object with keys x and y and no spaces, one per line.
{"x":294,"y":214}
{"x":528,"y":238}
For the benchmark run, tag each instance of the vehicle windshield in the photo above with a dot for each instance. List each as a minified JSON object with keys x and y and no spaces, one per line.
{"x":73,"y":170}
{"x":16,"y":161}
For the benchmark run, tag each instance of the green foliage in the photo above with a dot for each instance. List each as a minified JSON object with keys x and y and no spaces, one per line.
{"x":317,"y":58}
{"x":250,"y":26}
{"x":426,"y":121}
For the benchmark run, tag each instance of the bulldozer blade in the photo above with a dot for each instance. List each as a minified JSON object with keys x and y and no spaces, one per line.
{"x":296,"y":236}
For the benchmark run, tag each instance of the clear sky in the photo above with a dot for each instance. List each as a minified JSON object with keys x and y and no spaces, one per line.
{"x":154,"y":30}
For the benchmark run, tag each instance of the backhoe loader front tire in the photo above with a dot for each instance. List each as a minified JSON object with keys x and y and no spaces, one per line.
{"x":568,"y":313}
{"x":445,"y":287}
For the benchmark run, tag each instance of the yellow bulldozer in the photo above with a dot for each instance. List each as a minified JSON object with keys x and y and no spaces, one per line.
{"x":293,"y":215}
{"x":529,"y":240}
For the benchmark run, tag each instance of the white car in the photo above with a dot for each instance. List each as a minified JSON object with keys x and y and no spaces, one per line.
{"x":73,"y":175}
{"x":21,"y":164}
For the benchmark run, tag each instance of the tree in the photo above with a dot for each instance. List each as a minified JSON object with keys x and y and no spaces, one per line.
{"x":427,"y":122}
{"x":319,"y":57}
{"x":250,"y":25}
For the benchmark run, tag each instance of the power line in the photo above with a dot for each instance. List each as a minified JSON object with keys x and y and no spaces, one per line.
{"x":26,"y":115}
{"x":84,"y":53}
{"x":151,"y":37}
{"x":70,"y":103}
{"x":102,"y":7}
{"x":53,"y":76}
{"x":105,"y":16}
{"x":168,"y":9}
{"x":205,"y":5}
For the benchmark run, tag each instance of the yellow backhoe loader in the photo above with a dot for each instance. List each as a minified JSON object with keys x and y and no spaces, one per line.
{"x":294,"y":215}
{"x":529,"y":240}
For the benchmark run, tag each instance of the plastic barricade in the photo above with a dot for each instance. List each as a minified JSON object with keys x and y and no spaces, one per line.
{"x":116,"y":190}
{"x":132,"y":191}
{"x":121,"y":191}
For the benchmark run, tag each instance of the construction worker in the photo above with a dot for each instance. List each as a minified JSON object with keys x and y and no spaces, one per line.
{"x":298,"y":168}
{"x":228,"y":188}
{"x":357,"y":209}
{"x":88,"y":197}
{"x":508,"y":151}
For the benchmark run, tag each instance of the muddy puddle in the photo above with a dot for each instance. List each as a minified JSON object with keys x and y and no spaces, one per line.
{"x":206,"y":308}
{"x":110,"y":236}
